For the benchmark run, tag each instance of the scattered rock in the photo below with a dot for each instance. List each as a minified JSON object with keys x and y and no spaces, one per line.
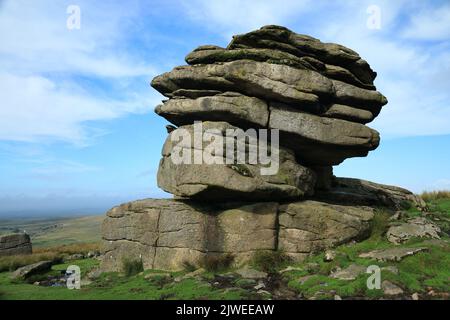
{"x":415,"y":296}
{"x":94,"y":274}
{"x":330,"y":255}
{"x":336,"y":297}
{"x":193,"y":274}
{"x":75,"y":256}
{"x":15,"y":244}
{"x":392,"y":254}
{"x":158,"y":274}
{"x":32,"y":269}
{"x":391,"y":289}
{"x":391,"y":269}
{"x":349,"y":273}
{"x":417,"y":227}
{"x":290,"y":268}
{"x":249,"y":273}
{"x":259,"y":286}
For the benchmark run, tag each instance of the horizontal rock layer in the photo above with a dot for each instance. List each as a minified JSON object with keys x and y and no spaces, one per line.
{"x":165,"y":234}
{"x":222,"y":177}
{"x":15,"y":244}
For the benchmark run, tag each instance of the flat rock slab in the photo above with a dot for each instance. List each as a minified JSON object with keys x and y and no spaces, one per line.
{"x":349,"y":273}
{"x":392,"y":254}
{"x":219,"y":177}
{"x":414,"y":228}
{"x":362,"y":192}
{"x":32,"y":269}
{"x":249,"y":273}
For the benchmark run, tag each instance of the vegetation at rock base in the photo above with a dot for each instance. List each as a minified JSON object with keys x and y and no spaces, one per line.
{"x":217,"y":263}
{"x":270,"y":261}
{"x":132,"y":267}
{"x":55,"y":254}
{"x":426,"y":273}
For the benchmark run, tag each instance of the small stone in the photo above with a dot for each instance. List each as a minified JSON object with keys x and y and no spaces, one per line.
{"x":336,"y":297}
{"x":391,"y":269}
{"x":415,"y":296}
{"x":290,"y":268}
{"x":249,"y":273}
{"x":390,"y":289}
{"x":259,"y":286}
{"x":330,"y":255}
{"x":265,"y":292}
{"x":349,"y":273}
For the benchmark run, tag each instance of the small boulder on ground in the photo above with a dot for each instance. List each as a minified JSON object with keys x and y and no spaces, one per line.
{"x":349,"y":273}
{"x":391,"y":254}
{"x":414,"y":228}
{"x":31,"y":269}
{"x":249,"y":273}
{"x":390,"y":289}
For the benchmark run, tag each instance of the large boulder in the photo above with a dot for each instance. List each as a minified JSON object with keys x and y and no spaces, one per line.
{"x":166,"y":234}
{"x":15,"y":244}
{"x":226,"y":178}
{"x":309,"y":226}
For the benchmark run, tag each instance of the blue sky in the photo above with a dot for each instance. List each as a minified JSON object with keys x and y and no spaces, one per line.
{"x":77,"y":129}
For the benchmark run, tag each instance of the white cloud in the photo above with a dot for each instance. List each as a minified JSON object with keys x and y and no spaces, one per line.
{"x":35,"y":107}
{"x":236,"y":16}
{"x":39,"y":58}
{"x":429,"y":24}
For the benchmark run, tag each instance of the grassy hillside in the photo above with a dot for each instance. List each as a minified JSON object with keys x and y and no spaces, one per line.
{"x":56,"y":231}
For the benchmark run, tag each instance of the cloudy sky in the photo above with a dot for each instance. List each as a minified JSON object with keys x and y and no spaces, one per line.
{"x":77,"y":128}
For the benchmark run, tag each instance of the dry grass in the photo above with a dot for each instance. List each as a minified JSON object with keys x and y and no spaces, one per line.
{"x":11,"y":263}
{"x":55,"y":254}
{"x":435,"y":195}
{"x":70,"y":248}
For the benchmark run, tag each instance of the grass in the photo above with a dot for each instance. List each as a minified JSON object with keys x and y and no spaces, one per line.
{"x":82,"y":248}
{"x":217,"y":263}
{"x":55,"y":254}
{"x":270,"y":261}
{"x":56,"y":231}
{"x":114,"y":286}
{"x":435,"y":195}
{"x":416,"y":273}
{"x":132,"y":267}
{"x":11,"y":263}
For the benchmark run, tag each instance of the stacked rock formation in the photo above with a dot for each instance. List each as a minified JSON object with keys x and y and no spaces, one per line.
{"x":319,"y":96}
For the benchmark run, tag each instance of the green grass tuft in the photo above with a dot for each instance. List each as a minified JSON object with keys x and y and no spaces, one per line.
{"x":270,"y":261}
{"x":132,"y":267}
